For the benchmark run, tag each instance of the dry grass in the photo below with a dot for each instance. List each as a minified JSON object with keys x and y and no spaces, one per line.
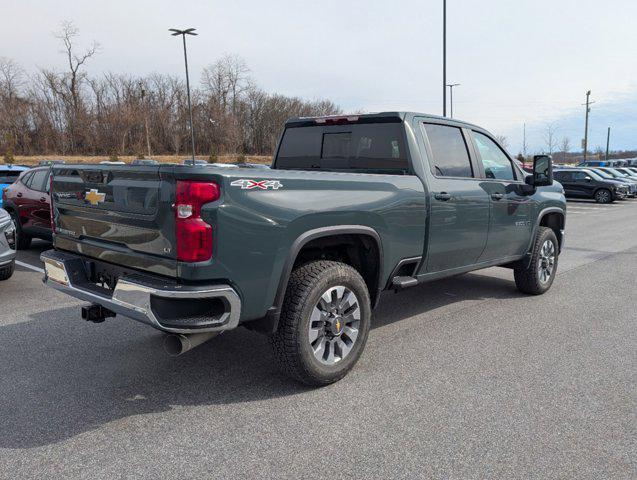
{"x":35,"y":159}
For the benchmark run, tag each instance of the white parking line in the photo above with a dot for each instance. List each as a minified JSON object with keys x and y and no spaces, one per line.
{"x":29,"y":266}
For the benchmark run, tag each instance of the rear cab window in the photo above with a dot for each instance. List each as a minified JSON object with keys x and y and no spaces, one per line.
{"x":352,"y":147}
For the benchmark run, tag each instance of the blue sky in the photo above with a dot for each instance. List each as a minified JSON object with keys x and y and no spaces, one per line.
{"x":517,"y":61}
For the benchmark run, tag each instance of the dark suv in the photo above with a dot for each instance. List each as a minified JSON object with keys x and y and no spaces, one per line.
{"x":29,"y":203}
{"x":584,"y":183}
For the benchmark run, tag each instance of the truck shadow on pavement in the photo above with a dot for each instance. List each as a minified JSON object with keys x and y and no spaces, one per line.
{"x":61,"y":377}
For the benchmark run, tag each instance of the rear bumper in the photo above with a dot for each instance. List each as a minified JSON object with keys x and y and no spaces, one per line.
{"x":156,"y":302}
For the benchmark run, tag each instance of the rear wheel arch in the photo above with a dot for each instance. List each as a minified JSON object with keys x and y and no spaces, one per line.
{"x":356,"y":245}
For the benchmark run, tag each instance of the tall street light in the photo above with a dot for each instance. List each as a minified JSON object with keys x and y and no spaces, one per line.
{"x":444,"y":58}
{"x":183,"y":33}
{"x":451,"y":85}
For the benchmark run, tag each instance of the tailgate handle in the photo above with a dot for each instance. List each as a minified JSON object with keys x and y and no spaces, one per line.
{"x":497,"y":196}
{"x":442,"y":196}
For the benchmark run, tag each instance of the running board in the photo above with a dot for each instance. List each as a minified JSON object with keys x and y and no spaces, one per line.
{"x":404,"y":282}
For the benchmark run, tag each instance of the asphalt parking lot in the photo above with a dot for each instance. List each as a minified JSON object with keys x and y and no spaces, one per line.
{"x":462,"y":378}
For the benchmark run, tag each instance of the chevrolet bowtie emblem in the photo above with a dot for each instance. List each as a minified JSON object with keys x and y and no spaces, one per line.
{"x":94,"y":197}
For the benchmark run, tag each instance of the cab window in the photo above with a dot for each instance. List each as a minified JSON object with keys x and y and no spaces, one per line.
{"x":496,"y":164}
{"x":449,"y":151}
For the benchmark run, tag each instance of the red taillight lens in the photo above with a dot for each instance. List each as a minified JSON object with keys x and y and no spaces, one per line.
{"x":194,"y":236}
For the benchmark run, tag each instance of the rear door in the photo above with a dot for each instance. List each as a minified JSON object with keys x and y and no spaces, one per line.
{"x":510,"y":223}
{"x":459,"y":207}
{"x":117,"y":213}
{"x":566,"y":179}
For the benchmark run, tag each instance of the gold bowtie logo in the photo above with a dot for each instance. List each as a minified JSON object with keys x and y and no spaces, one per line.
{"x":338,"y":325}
{"x":94,"y":197}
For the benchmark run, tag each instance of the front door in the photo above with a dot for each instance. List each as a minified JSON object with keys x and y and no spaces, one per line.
{"x":510,"y":225}
{"x":459,"y":207}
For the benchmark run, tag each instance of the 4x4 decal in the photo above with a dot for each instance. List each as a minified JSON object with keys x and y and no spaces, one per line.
{"x":247,"y":184}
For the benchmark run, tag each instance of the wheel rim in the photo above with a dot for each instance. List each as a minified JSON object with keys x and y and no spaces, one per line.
{"x":546,"y":264}
{"x":334,"y":325}
{"x":603,"y":196}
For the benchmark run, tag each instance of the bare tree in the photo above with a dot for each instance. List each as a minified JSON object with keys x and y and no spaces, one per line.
{"x":503,"y":141}
{"x":550,"y":140}
{"x":565,"y":147}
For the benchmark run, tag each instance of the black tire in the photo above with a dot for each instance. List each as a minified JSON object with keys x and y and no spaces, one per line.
{"x":529,"y":280}
{"x":22,"y":240}
{"x":293,"y":349}
{"x":603,"y":195}
{"x":7,"y":271}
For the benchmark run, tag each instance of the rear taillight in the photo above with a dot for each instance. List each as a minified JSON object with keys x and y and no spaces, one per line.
{"x":51,"y":203}
{"x":194,"y":236}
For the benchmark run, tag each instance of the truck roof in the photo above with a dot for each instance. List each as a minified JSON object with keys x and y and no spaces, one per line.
{"x":372,"y":117}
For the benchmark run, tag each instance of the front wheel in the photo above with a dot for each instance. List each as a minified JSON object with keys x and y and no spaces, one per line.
{"x":538,"y":276}
{"x":324,"y":322}
{"x":603,"y":196}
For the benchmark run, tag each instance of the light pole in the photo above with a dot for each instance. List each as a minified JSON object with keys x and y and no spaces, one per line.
{"x":451,"y":85}
{"x":444,"y":58}
{"x":183,"y":33}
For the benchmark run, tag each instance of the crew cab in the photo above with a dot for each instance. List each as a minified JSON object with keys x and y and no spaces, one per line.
{"x":351,"y":206}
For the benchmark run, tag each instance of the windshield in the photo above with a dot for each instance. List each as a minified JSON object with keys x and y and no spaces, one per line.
{"x":616,"y":172}
{"x":603,"y":174}
{"x":593,"y":175}
{"x":9,"y":177}
{"x":628,"y":172}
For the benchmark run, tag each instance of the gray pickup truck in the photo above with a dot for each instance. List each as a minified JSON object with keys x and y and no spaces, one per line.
{"x":351,"y":206}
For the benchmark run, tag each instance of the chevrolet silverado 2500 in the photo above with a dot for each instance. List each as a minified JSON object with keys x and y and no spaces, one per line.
{"x":351,"y":206}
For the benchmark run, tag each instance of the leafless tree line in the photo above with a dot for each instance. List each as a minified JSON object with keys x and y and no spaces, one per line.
{"x":72,"y":113}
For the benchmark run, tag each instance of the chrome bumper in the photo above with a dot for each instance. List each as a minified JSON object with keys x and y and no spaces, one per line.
{"x":133,"y":294}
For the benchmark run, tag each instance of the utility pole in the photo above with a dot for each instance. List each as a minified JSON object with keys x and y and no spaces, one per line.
{"x":183,"y":33}
{"x":444,"y":58}
{"x":588,"y":110}
{"x":607,"y":143}
{"x":451,"y":85}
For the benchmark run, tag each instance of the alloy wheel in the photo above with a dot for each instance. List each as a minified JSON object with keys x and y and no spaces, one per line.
{"x":334,"y":323}
{"x":546,"y":262}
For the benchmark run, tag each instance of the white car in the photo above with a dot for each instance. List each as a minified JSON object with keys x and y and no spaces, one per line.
{"x":7,"y":245}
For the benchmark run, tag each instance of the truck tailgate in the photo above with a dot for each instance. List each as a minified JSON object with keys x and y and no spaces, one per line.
{"x":117,"y":213}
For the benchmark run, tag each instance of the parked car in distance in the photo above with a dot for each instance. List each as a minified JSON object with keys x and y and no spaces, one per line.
{"x":109,"y":162}
{"x":585,"y":183}
{"x":198,"y":161}
{"x":351,"y":206}
{"x":619,"y":176}
{"x":48,"y":163}
{"x":144,"y":161}
{"x":8,"y":175}
{"x":631,"y":172}
{"x":29,"y":204}
{"x":7,"y":245}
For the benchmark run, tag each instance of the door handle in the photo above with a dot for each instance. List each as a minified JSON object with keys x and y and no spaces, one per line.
{"x":19,"y":194}
{"x":42,"y":199}
{"x":497,"y":196}
{"x":442,"y":196}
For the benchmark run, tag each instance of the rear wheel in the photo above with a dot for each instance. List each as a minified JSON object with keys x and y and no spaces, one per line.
{"x":538,"y":276}
{"x":324,"y":323}
{"x":603,"y":196}
{"x":22,"y":240}
{"x":7,"y":271}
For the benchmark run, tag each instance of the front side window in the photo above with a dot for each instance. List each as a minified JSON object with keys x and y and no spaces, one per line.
{"x":449,"y":151}
{"x":496,"y":164}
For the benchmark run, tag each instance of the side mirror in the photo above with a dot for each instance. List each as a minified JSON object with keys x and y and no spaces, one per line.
{"x":542,"y":171}
{"x":587,"y":178}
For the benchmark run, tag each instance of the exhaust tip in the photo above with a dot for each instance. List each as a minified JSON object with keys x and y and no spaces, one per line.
{"x":176,"y":344}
